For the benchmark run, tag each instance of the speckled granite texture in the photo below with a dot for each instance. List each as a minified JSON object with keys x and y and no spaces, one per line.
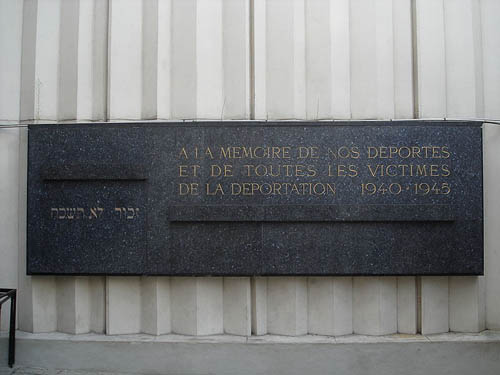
{"x":238,"y":198}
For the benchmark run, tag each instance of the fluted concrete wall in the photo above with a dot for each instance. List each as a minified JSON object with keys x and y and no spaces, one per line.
{"x":241,"y":59}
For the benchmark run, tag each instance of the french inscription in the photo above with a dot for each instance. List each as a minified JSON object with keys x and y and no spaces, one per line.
{"x":415,"y":163}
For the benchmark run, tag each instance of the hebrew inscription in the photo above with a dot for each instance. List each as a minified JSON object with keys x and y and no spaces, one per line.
{"x":80,"y":213}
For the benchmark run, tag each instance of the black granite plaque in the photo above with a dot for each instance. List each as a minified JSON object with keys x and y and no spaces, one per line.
{"x":256,"y":198}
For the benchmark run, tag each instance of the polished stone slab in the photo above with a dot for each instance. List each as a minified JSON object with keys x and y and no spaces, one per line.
{"x":256,"y":198}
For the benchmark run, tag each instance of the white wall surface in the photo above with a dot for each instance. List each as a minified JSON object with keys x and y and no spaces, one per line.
{"x":9,"y":167}
{"x":240,"y":59}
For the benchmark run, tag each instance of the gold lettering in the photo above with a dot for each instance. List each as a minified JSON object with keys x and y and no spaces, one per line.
{"x":314,"y":153}
{"x":188,"y":189}
{"x":374,"y":171}
{"x":434,"y":170}
{"x":446,"y":153}
{"x":388,"y":170}
{"x":183,"y":171}
{"x":435,"y":152}
{"x":299,"y":170}
{"x":344,"y":152}
{"x":215,"y":170}
{"x":393,"y":151}
{"x":195,"y":170}
{"x":421,"y":170}
{"x":445,"y":170}
{"x":183,"y":153}
{"x":217,"y":191}
{"x":235,"y":188}
{"x":303,"y":152}
{"x":355,"y":152}
{"x":415,"y":152}
{"x":402,"y":155}
{"x":311,"y":171}
{"x":341,"y":170}
{"x":372,"y":152}
{"x":331,"y":153}
{"x":225,"y":153}
{"x":277,"y":188}
{"x":353,"y":171}
{"x":286,"y":152}
{"x":209,"y":153}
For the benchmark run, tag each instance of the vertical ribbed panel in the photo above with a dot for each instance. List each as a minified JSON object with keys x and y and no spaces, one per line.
{"x":287,"y":306}
{"x":435,"y":304}
{"x":164,"y":59}
{"x":333,"y":59}
{"x":197,"y":305}
{"x":183,"y":60}
{"x":431,"y":62}
{"x":330,"y":305}
{"x":464,"y":80}
{"x":43,"y":304}
{"x":450,"y":58}
{"x":184,"y":305}
{"x":313,"y":59}
{"x":209,"y":66}
{"x":149,"y":59}
{"x":403,"y":61}
{"x":9,"y":176}
{"x":47,"y":58}
{"x":236,"y":59}
{"x":467,"y":307}
{"x":318,"y":60}
{"x":37,"y":308}
{"x":125,"y":69}
{"x":73,"y":304}
{"x":80,"y":304}
{"x":372,"y":59}
{"x":450,"y":84}
{"x":260,"y":59}
{"x":123,"y":305}
{"x":259,"y":305}
{"x":133,"y":59}
{"x":92,"y":60}
{"x":340,"y":59}
{"x":28,"y":58}
{"x":97,"y":296}
{"x":68,"y":60}
{"x":11,"y":21}
{"x":74,"y":69}
{"x":407,"y":305}
{"x":491,"y":145}
{"x":85,"y":57}
{"x":155,"y":303}
{"x":25,"y":301}
{"x":237,"y":306}
{"x":490,"y":14}
{"x":278,"y":77}
{"x":374,"y":305}
{"x":299,"y":68}
{"x":209,"y":60}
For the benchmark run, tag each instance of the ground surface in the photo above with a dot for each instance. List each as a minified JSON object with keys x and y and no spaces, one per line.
{"x":40,"y":371}
{"x":92,"y":354}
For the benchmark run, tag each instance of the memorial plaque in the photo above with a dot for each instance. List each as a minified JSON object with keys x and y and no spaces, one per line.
{"x":256,"y":198}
